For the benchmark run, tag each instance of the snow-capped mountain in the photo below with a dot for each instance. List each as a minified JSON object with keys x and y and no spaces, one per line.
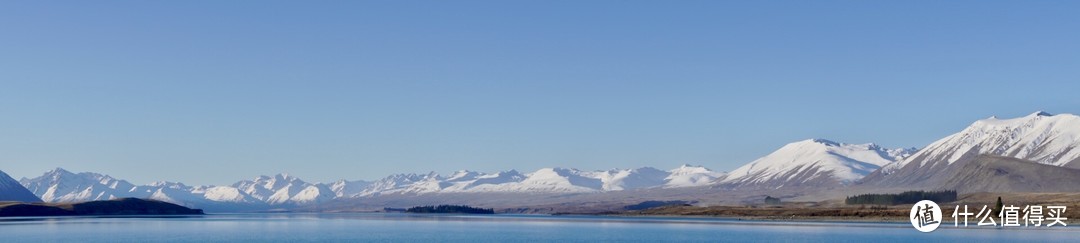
{"x":59,"y":185}
{"x":553,"y":180}
{"x":1039,"y":138}
{"x":546,"y":180}
{"x":11,"y":190}
{"x":283,"y":188}
{"x":346,"y":188}
{"x":556,"y":180}
{"x":813,"y":162}
{"x":399,"y":183}
{"x":617,"y":180}
{"x":689,"y":176}
{"x":487,"y":182}
{"x":223,"y":194}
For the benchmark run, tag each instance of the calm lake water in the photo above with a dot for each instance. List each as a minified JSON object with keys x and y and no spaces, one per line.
{"x":497,"y":228}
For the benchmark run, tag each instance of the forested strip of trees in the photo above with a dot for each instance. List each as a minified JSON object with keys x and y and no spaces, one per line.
{"x":450,"y":209}
{"x":907,"y":197}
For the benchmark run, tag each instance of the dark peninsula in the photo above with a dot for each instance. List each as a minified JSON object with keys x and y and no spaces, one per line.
{"x":123,"y":206}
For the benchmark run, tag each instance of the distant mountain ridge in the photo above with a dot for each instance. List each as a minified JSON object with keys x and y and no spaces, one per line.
{"x":283,"y":190}
{"x":991,"y":155}
{"x":59,"y":185}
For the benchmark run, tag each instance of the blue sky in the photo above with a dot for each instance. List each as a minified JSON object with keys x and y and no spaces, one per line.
{"x":210,"y":92}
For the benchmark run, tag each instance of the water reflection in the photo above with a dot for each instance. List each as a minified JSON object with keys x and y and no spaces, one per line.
{"x":483,"y":228}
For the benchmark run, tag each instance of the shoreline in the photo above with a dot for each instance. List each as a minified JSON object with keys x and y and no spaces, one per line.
{"x":776,"y":213}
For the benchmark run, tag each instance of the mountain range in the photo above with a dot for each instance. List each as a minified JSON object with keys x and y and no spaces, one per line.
{"x":1034,"y":153}
{"x":284,"y":190}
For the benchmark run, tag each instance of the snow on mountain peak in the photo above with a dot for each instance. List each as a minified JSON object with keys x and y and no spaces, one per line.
{"x":59,"y":185}
{"x":815,"y":159}
{"x":558,"y":180}
{"x":1040,"y":137}
{"x":395,"y":182}
{"x":500,"y":181}
{"x":463,"y":175}
{"x":618,"y":179}
{"x":825,"y":142}
{"x":345,"y":188}
{"x":1041,"y":113}
{"x":284,"y":188}
{"x":690,"y":175}
{"x":687,"y":168}
{"x":167,"y":184}
{"x":225,"y":194}
{"x":57,"y":170}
